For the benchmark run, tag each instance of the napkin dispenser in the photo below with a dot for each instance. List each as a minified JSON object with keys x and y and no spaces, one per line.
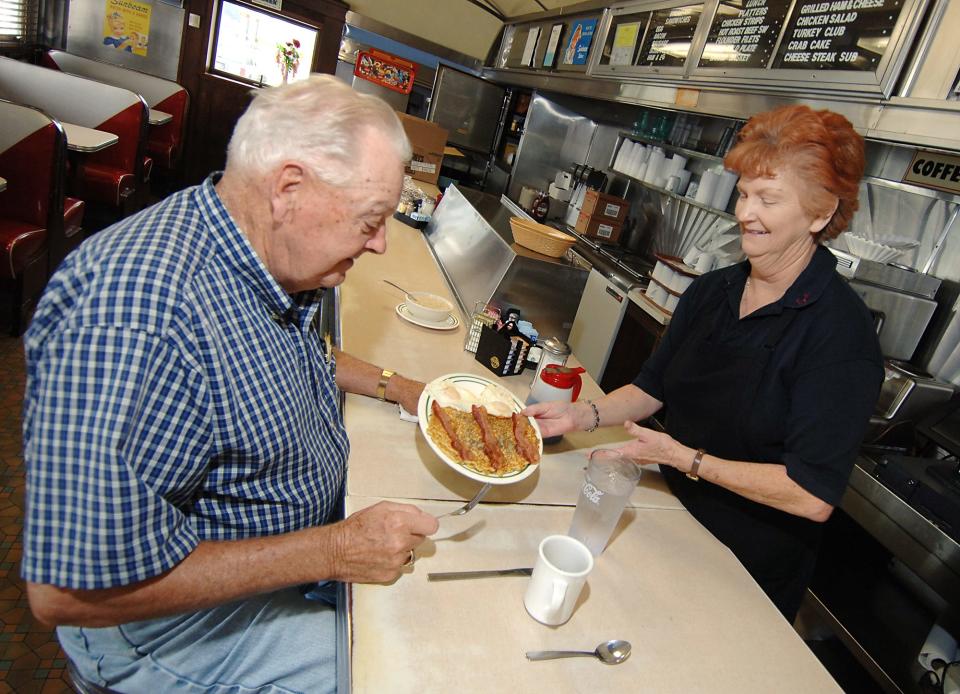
{"x":504,"y":355}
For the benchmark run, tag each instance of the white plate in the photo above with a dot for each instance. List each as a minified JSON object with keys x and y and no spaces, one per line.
{"x":449,"y":323}
{"x":475,"y":385}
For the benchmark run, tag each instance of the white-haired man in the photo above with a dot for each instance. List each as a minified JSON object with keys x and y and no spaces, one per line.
{"x":182,"y":434}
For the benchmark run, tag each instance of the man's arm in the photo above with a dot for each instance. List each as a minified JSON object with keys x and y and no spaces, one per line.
{"x":368,"y":547}
{"x":361,"y":377}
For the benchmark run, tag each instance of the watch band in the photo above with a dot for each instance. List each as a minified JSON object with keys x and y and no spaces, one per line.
{"x":695,"y":468}
{"x":385,"y":377}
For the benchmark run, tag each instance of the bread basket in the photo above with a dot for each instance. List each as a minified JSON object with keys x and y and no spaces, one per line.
{"x":540,"y":238}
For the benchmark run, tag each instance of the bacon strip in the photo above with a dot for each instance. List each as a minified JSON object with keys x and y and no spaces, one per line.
{"x":457,"y":444}
{"x":490,"y":444}
{"x":520,"y":428}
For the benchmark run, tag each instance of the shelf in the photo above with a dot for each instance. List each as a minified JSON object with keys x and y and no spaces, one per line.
{"x":672,"y":148}
{"x":722,"y":214}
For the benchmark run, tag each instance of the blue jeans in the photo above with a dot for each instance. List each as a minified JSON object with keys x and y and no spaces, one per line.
{"x":277,"y":643}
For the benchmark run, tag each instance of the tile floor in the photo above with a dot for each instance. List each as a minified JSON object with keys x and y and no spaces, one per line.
{"x":31,"y":661}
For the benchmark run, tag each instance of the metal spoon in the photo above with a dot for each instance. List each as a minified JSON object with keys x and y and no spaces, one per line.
{"x":610,"y":652}
{"x":394,"y":284}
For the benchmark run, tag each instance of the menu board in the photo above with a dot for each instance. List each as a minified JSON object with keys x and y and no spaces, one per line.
{"x":668,"y":39}
{"x":838,"y":35}
{"x":743,"y":34}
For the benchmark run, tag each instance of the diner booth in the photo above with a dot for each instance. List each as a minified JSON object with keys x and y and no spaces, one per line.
{"x":607,"y":122}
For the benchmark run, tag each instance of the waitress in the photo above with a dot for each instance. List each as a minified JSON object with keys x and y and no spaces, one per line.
{"x":770,"y":368}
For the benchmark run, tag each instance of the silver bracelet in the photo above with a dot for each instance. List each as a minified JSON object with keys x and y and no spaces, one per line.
{"x":596,"y":417}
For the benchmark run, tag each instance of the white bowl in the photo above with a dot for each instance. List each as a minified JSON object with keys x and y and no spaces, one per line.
{"x":428,"y":307}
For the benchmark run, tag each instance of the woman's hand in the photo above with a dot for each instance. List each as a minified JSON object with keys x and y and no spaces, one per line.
{"x":651,"y":446}
{"x":555,"y":418}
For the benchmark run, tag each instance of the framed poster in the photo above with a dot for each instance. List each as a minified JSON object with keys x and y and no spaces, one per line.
{"x":578,"y":45}
{"x":625,"y":43}
{"x":386,"y":70}
{"x":551,"y":55}
{"x":530,"y":47}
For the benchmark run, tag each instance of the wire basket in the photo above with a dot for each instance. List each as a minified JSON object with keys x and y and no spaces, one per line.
{"x":540,"y":238}
{"x":480,"y":318}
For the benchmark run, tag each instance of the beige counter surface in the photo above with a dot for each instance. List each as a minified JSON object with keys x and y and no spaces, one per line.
{"x":390,"y":457}
{"x":696,"y":620}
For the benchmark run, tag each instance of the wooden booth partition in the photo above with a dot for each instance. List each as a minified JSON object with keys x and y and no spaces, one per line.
{"x":217,"y":101}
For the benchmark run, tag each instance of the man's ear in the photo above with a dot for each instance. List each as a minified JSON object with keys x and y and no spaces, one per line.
{"x":286,"y":185}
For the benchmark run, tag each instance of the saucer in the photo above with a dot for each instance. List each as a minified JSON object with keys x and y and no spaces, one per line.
{"x":448,"y":323}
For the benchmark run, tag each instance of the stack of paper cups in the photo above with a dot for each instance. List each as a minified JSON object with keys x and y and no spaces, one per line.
{"x":725,"y":186}
{"x":677,"y":163}
{"x":654,"y":166}
{"x":707,"y":188}
{"x":639,"y":163}
{"x":684,"y":175}
{"x":623,"y":155}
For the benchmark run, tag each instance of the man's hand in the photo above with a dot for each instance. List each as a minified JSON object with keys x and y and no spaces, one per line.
{"x":372,"y":545}
{"x":405,"y":391}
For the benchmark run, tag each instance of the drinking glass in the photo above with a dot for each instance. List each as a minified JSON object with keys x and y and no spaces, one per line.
{"x":610,"y":479}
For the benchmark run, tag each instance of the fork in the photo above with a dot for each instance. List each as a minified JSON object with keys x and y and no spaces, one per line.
{"x":467,"y":507}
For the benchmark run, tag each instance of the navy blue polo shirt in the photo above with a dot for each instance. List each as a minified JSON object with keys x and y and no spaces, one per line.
{"x":731,"y":387}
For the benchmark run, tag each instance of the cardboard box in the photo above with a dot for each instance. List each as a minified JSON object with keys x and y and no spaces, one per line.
{"x":600,"y":228}
{"x":428,"y":140}
{"x":603,"y":206}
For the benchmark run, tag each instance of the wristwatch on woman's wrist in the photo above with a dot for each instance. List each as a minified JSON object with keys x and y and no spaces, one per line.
{"x":695,"y":468}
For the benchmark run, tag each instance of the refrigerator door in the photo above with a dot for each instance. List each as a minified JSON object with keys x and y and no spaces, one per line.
{"x":597,"y":323}
{"x":468,"y":107}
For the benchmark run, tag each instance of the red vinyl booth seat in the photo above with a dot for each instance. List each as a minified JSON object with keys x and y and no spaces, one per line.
{"x":38,"y":227}
{"x":163,"y":141}
{"x":109,"y":176}
{"x":20,"y":242}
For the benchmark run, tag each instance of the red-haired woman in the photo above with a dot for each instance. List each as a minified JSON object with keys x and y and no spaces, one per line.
{"x":770,"y":368}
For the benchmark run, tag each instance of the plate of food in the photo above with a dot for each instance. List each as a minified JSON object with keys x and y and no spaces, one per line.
{"x":474,"y":426}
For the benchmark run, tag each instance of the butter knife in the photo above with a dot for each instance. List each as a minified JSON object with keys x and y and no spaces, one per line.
{"x":456,"y":575}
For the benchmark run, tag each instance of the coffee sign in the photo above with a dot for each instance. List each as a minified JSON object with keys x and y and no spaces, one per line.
{"x":934,"y":170}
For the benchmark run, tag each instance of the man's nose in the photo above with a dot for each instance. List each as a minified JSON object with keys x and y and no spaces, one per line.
{"x":378,"y":242}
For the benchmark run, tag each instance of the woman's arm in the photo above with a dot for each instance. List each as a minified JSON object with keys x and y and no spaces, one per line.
{"x":765,"y":483}
{"x":625,"y":403}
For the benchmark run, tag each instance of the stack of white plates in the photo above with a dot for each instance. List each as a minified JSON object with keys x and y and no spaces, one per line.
{"x":881,"y":250}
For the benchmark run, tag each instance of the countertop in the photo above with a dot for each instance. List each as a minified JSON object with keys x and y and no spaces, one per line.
{"x":697,"y":620}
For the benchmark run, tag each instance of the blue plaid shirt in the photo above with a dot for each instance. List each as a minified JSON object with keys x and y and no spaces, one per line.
{"x":175,"y":393}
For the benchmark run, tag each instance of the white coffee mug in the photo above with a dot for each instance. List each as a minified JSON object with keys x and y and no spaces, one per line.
{"x":558,"y":577}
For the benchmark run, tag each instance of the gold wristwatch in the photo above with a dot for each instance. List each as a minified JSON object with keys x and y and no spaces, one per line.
{"x":385,"y":377}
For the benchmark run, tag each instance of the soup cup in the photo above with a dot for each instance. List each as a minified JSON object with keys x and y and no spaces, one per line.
{"x":428,"y":307}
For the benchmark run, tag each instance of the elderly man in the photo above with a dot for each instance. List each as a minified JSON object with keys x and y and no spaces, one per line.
{"x":184,"y":445}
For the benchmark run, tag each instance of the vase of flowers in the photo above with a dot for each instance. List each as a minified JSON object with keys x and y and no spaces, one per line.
{"x":288,"y":58}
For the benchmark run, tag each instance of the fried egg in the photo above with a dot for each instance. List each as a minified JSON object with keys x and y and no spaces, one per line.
{"x":498,"y":401}
{"x":448,"y":395}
